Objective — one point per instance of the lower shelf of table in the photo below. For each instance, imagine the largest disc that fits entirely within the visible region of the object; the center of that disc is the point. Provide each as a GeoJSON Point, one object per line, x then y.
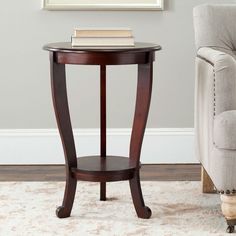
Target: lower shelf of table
{"type": "Point", "coordinates": [104, 169]}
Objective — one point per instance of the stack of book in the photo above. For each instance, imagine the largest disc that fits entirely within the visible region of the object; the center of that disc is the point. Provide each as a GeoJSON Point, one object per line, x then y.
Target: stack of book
{"type": "Point", "coordinates": [102, 37]}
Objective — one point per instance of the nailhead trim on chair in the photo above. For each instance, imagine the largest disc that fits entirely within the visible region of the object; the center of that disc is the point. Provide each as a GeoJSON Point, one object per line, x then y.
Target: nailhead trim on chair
{"type": "Point", "coordinates": [214, 91]}
{"type": "Point", "coordinates": [227, 192]}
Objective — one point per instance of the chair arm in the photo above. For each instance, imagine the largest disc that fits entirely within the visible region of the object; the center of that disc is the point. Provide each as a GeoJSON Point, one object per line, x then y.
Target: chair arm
{"type": "Point", "coordinates": [224, 70]}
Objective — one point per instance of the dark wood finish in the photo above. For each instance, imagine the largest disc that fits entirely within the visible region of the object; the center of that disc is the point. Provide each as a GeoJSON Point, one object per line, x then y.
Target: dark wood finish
{"type": "Point", "coordinates": [108, 58]}
{"type": "Point", "coordinates": [66, 47]}
{"type": "Point", "coordinates": [163, 172]}
{"type": "Point", "coordinates": [66, 54]}
{"type": "Point", "coordinates": [103, 123]}
{"type": "Point", "coordinates": [137, 196]}
{"type": "Point", "coordinates": [101, 168]}
{"type": "Point", "coordinates": [143, 100]}
{"type": "Point", "coordinates": [61, 107]}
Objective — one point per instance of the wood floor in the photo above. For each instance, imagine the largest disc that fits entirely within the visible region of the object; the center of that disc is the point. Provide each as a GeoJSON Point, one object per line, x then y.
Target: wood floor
{"type": "Point", "coordinates": [180, 172]}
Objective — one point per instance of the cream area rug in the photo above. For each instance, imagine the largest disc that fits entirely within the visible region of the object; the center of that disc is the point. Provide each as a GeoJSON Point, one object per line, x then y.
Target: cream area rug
{"type": "Point", "coordinates": [179, 208]}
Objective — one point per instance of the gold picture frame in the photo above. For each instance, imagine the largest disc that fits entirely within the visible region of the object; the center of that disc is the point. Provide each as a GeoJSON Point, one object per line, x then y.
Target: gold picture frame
{"type": "Point", "coordinates": [103, 4]}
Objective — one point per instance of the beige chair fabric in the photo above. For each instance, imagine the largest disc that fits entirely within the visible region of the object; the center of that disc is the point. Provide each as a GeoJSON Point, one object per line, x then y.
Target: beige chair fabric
{"type": "Point", "coordinates": [215, 27]}
{"type": "Point", "coordinates": [224, 132]}
{"type": "Point", "coordinates": [215, 101]}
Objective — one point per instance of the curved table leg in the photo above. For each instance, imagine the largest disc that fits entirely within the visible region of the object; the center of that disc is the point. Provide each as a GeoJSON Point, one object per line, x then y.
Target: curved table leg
{"type": "Point", "coordinates": [60, 102]}
{"type": "Point", "coordinates": [136, 191]}
{"type": "Point", "coordinates": [143, 99]}
{"type": "Point", "coordinates": [69, 195]}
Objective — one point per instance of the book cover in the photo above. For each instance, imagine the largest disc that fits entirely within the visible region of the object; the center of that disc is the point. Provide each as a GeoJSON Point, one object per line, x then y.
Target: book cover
{"type": "Point", "coordinates": [103, 32]}
{"type": "Point", "coordinates": [97, 41]}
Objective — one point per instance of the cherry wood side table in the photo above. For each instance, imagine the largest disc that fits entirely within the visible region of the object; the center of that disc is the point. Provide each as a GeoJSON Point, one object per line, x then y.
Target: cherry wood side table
{"type": "Point", "coordinates": [102, 168]}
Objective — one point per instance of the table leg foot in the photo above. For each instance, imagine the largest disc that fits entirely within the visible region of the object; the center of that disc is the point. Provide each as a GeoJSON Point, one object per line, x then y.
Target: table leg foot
{"type": "Point", "coordinates": [60, 212]}
{"type": "Point", "coordinates": [64, 211]}
{"type": "Point", "coordinates": [142, 211]}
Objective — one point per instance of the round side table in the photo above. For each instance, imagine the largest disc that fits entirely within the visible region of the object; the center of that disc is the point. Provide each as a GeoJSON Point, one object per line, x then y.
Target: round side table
{"type": "Point", "coordinates": [102, 168]}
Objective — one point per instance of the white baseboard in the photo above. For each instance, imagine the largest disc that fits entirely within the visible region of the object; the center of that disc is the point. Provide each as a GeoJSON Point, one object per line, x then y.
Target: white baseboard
{"type": "Point", "coordinates": [43, 146]}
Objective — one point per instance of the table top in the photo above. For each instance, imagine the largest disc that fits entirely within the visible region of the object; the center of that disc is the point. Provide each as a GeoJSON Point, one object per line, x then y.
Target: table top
{"type": "Point", "coordinates": [67, 47]}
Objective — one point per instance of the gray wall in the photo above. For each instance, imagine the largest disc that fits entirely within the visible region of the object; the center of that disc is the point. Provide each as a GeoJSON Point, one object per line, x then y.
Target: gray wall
{"type": "Point", "coordinates": [25, 100]}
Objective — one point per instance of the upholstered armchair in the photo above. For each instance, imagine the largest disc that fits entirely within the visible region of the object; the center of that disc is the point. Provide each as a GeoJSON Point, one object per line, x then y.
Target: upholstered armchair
{"type": "Point", "coordinates": [215, 102]}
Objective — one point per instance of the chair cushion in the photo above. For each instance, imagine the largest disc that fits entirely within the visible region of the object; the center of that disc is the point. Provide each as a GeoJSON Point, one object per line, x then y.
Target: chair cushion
{"type": "Point", "coordinates": [225, 130]}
